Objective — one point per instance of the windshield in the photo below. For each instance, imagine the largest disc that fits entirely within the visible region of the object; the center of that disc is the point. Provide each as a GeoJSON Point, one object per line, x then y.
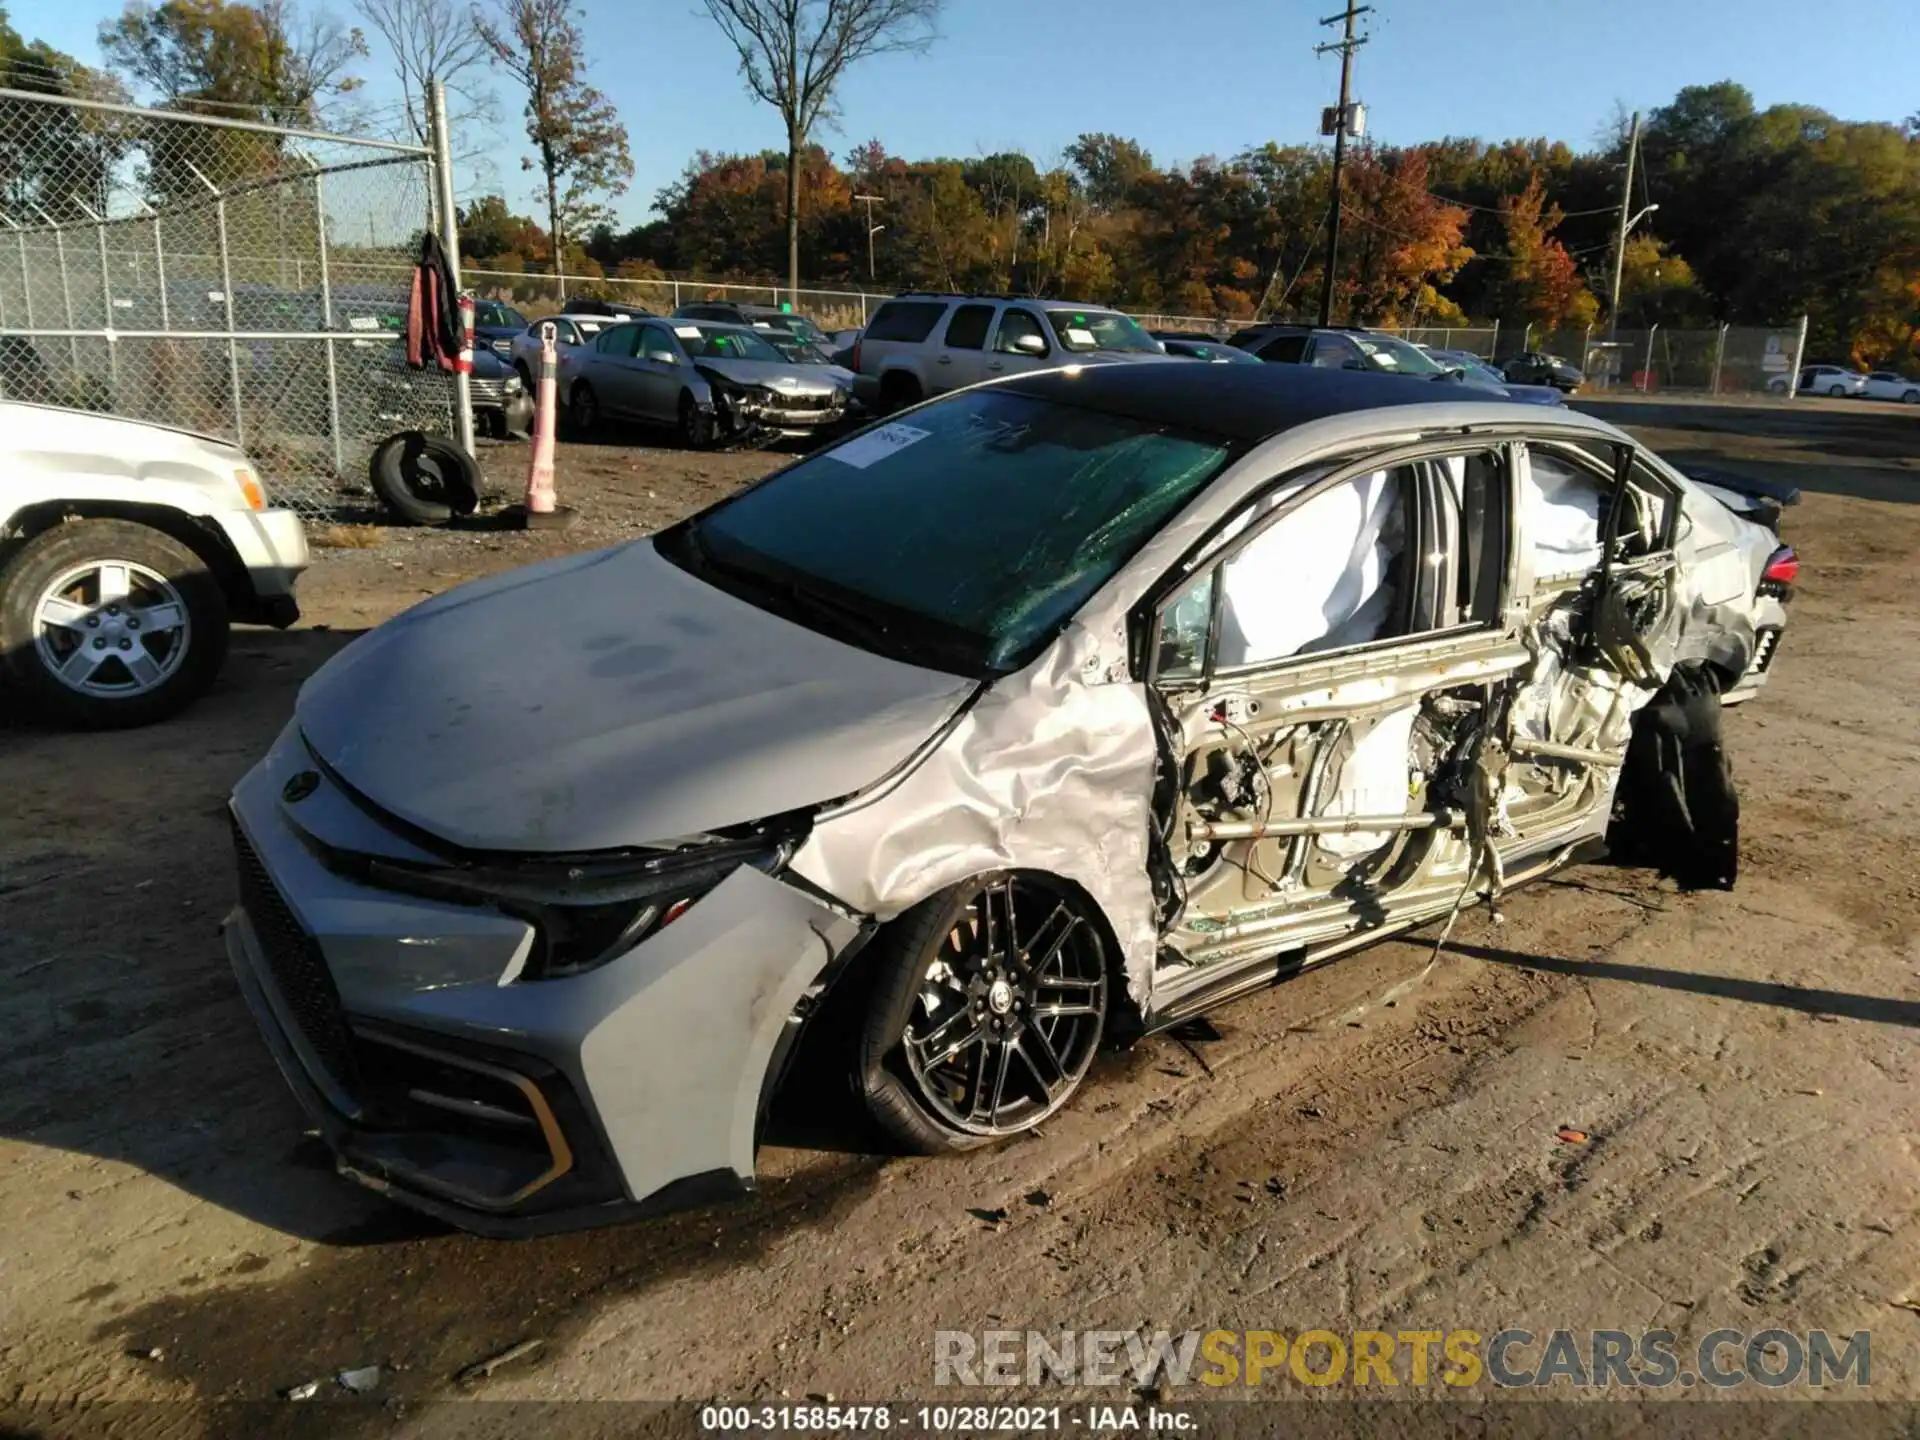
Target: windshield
{"type": "Point", "coordinates": [805, 329]}
{"type": "Point", "coordinates": [492, 312]}
{"type": "Point", "coordinates": [1085, 330]}
{"type": "Point", "coordinates": [961, 538]}
{"type": "Point", "coordinates": [714, 342]}
{"type": "Point", "coordinates": [796, 349]}
{"type": "Point", "coordinates": [1397, 357]}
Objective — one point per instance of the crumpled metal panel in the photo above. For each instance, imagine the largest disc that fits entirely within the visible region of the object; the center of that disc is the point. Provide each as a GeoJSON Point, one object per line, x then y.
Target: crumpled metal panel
{"type": "Point", "coordinates": [1051, 769]}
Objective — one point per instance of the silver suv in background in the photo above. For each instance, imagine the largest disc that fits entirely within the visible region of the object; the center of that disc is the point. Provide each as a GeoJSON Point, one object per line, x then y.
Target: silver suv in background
{"type": "Point", "coordinates": [920, 344]}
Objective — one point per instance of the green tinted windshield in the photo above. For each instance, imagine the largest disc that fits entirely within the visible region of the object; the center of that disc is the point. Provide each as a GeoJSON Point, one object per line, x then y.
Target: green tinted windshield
{"type": "Point", "coordinates": [1086, 330]}
{"type": "Point", "coordinates": [708, 342]}
{"type": "Point", "coordinates": [968, 532]}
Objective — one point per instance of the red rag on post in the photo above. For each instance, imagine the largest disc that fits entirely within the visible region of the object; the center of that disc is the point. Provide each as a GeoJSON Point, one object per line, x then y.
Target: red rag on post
{"type": "Point", "coordinates": [433, 312]}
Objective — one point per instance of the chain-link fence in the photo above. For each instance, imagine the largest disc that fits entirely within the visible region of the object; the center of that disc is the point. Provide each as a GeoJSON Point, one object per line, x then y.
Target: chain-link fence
{"type": "Point", "coordinates": [1727, 360]}
{"type": "Point", "coordinates": [226, 277]}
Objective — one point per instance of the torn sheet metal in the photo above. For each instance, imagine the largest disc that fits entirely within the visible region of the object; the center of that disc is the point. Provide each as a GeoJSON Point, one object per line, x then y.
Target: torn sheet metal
{"type": "Point", "coordinates": [1051, 769]}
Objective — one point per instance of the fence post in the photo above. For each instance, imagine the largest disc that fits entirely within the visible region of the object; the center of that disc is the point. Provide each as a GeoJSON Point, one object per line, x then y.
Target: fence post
{"type": "Point", "coordinates": [450, 242]}
{"type": "Point", "coordinates": [1719, 355]}
{"type": "Point", "coordinates": [106, 299]}
{"type": "Point", "coordinates": [676, 294]}
{"type": "Point", "coordinates": [1799, 354]}
{"type": "Point", "coordinates": [863, 309]}
{"type": "Point", "coordinates": [226, 296]}
{"type": "Point", "coordinates": [1646, 367]}
{"type": "Point", "coordinates": [66, 289]}
{"type": "Point", "coordinates": [326, 320]}
{"type": "Point", "coordinates": [160, 274]}
{"type": "Point", "coordinates": [26, 280]}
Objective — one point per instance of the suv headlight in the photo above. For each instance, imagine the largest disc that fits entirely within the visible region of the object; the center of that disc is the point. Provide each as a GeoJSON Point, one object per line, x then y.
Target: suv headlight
{"type": "Point", "coordinates": [511, 385]}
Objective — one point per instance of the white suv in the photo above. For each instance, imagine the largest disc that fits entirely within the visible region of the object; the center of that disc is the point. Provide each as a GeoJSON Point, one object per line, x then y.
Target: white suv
{"type": "Point", "coordinates": [125, 548]}
{"type": "Point", "coordinates": [920, 344]}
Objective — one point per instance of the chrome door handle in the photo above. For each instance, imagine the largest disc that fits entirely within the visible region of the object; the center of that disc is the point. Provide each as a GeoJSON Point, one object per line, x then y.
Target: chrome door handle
{"type": "Point", "coordinates": [945, 360]}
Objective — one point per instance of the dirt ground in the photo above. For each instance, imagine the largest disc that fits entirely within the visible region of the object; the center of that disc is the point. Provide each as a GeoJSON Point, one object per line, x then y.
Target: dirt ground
{"type": "Point", "coordinates": [1371, 1146]}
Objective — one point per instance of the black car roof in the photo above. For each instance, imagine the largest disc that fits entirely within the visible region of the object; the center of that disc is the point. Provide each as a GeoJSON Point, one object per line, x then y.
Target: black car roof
{"type": "Point", "coordinates": [1237, 402]}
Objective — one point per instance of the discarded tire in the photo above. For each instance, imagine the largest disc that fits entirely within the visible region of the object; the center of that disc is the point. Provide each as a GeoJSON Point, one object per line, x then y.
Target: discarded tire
{"type": "Point", "coordinates": [424, 479]}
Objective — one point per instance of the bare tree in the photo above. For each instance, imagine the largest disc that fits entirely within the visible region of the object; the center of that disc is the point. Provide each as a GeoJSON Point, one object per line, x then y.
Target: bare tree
{"type": "Point", "coordinates": [433, 40]}
{"type": "Point", "coordinates": [579, 141]}
{"type": "Point", "coordinates": [793, 53]}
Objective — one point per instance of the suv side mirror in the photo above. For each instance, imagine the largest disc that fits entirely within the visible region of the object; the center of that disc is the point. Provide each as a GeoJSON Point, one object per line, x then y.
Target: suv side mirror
{"type": "Point", "coordinates": [1030, 344]}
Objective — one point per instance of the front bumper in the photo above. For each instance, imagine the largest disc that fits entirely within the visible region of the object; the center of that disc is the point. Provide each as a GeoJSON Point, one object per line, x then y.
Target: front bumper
{"type": "Point", "coordinates": [272, 547]}
{"type": "Point", "coordinates": [502, 1105]}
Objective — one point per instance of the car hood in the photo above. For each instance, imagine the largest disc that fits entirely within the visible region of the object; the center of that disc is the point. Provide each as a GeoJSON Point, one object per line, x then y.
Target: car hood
{"type": "Point", "coordinates": [609, 700]}
{"type": "Point", "coordinates": [1535, 394]}
{"type": "Point", "coordinates": [799, 376]}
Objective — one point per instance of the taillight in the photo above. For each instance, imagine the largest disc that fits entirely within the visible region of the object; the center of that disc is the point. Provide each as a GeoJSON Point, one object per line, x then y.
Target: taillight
{"type": "Point", "coordinates": [855, 367]}
{"type": "Point", "coordinates": [1783, 567]}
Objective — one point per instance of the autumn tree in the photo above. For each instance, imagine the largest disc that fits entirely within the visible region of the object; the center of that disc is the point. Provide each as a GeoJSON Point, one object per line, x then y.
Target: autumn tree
{"type": "Point", "coordinates": [431, 41]}
{"type": "Point", "coordinates": [1540, 284]}
{"type": "Point", "coordinates": [1407, 243]}
{"type": "Point", "coordinates": [579, 144]}
{"type": "Point", "coordinates": [793, 54]}
{"type": "Point", "coordinates": [54, 158]}
{"type": "Point", "coordinates": [1658, 287]}
{"type": "Point", "coordinates": [269, 60]}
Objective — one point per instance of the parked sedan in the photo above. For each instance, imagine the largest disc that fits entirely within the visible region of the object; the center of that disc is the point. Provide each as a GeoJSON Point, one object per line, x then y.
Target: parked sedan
{"type": "Point", "coordinates": [1057, 708]}
{"type": "Point", "coordinates": [1891, 385]}
{"type": "Point", "coordinates": [1202, 347]}
{"type": "Point", "coordinates": [494, 326]}
{"type": "Point", "coordinates": [1835, 381]}
{"type": "Point", "coordinates": [1537, 368]}
{"type": "Point", "coordinates": [711, 382]}
{"type": "Point", "coordinates": [570, 331]}
{"type": "Point", "coordinates": [1473, 368]}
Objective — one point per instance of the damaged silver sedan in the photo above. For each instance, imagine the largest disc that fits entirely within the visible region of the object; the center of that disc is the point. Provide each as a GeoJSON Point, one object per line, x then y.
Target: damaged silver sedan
{"type": "Point", "coordinates": [1048, 712]}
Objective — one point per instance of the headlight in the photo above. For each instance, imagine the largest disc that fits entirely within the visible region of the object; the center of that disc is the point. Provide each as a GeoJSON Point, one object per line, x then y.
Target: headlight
{"type": "Point", "coordinates": [585, 911]}
{"type": "Point", "coordinates": [511, 385]}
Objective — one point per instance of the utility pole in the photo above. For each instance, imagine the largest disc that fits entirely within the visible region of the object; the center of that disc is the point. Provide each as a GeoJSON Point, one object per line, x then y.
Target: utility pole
{"type": "Point", "coordinates": [872, 229]}
{"type": "Point", "coordinates": [1626, 218]}
{"type": "Point", "coordinates": [1342, 123]}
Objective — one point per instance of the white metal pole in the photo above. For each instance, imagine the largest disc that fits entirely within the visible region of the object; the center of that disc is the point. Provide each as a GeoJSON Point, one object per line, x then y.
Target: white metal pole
{"type": "Point", "coordinates": [1799, 354]}
{"type": "Point", "coordinates": [326, 319]}
{"type": "Point", "coordinates": [1719, 355]}
{"type": "Point", "coordinates": [450, 242]}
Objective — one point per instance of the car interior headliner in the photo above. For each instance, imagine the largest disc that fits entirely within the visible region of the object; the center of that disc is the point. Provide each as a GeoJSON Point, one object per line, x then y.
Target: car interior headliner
{"type": "Point", "coordinates": [1235, 402]}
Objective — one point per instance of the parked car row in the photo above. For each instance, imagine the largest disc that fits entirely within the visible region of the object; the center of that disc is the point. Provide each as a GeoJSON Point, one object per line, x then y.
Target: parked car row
{"type": "Point", "coordinates": [1839, 382]}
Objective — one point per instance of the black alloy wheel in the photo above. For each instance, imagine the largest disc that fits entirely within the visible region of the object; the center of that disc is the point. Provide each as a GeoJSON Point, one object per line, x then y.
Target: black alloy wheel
{"type": "Point", "coordinates": [989, 1014]}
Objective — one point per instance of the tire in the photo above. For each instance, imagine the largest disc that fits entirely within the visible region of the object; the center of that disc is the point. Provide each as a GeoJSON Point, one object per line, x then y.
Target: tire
{"type": "Point", "coordinates": [1836, 391]}
{"type": "Point", "coordinates": [1910, 397]}
{"type": "Point", "coordinates": [898, 391]}
{"type": "Point", "coordinates": [583, 409]}
{"type": "Point", "coordinates": [526, 375]}
{"type": "Point", "coordinates": [169, 608]}
{"type": "Point", "coordinates": [424, 479]}
{"type": "Point", "coordinates": [944, 972]}
{"type": "Point", "coordinates": [696, 426]}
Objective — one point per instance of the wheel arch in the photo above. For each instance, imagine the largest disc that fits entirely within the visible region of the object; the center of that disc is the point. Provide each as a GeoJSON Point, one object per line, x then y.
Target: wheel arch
{"type": "Point", "coordinates": [200, 535]}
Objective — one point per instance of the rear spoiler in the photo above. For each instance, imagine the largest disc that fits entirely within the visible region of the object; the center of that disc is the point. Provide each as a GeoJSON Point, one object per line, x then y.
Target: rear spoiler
{"type": "Point", "coordinates": [1743, 484]}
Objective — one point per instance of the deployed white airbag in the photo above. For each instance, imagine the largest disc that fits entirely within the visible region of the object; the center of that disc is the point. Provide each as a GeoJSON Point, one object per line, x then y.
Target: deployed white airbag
{"type": "Point", "coordinates": [1317, 579]}
{"type": "Point", "coordinates": [1560, 515]}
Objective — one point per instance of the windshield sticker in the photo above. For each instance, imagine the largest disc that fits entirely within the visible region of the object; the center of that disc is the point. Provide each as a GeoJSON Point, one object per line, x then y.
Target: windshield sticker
{"type": "Point", "coordinates": [687, 332]}
{"type": "Point", "coordinates": [877, 445]}
{"type": "Point", "coordinates": [1077, 336]}
{"type": "Point", "coordinates": [363, 322]}
{"type": "Point", "coordinates": [762, 325]}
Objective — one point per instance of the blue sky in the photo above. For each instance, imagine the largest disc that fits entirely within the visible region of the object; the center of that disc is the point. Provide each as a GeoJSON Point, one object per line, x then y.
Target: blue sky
{"type": "Point", "coordinates": [1205, 77]}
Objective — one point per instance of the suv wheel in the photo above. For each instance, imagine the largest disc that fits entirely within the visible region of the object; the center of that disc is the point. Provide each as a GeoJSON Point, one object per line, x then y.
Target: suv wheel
{"type": "Point", "coordinates": [899, 390]}
{"type": "Point", "coordinates": [107, 623]}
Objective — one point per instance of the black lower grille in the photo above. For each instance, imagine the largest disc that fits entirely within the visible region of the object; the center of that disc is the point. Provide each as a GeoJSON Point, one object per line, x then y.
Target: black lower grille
{"type": "Point", "coordinates": [299, 971]}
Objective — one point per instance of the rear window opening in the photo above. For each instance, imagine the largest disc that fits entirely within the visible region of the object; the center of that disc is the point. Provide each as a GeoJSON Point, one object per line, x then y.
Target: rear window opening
{"type": "Point", "coordinates": [908, 320]}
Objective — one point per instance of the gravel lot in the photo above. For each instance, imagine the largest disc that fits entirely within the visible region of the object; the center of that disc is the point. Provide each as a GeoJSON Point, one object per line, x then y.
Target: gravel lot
{"type": "Point", "coordinates": [1372, 1146]}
